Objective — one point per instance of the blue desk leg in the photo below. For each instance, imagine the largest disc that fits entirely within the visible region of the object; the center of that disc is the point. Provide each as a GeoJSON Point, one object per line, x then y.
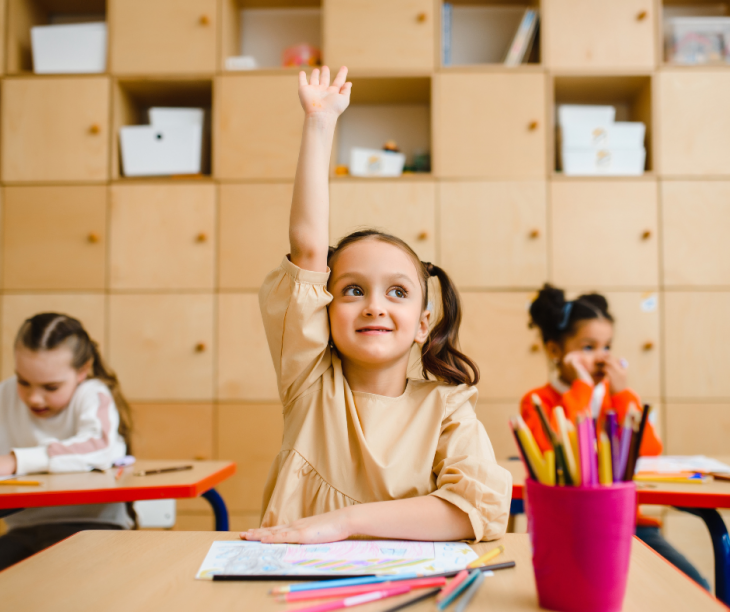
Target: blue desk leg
{"type": "Point", "coordinates": [517, 506]}
{"type": "Point", "coordinates": [721, 548]}
{"type": "Point", "coordinates": [219, 509]}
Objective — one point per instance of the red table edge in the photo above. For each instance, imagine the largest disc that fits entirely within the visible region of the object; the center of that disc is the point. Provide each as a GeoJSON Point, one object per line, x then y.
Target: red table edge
{"type": "Point", "coordinates": [39, 499]}
{"type": "Point", "coordinates": [665, 498]}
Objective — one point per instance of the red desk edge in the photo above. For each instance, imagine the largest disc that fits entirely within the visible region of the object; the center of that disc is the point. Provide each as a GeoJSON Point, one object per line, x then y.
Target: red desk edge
{"type": "Point", "coordinates": [37, 499]}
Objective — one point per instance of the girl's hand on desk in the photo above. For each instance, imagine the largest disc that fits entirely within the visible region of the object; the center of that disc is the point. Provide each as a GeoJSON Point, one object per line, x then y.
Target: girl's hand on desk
{"type": "Point", "coordinates": [328, 527]}
{"type": "Point", "coordinates": [318, 97]}
{"type": "Point", "coordinates": [8, 464]}
{"type": "Point", "coordinates": [616, 374]}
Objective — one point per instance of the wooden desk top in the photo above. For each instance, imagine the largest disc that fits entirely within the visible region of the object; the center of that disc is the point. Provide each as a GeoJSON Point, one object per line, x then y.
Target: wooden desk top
{"type": "Point", "coordinates": [711, 494]}
{"type": "Point", "coordinates": [102, 488]}
{"type": "Point", "coordinates": [119, 571]}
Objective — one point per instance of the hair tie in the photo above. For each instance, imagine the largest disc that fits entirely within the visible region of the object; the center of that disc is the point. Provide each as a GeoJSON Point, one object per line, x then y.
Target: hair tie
{"type": "Point", "coordinates": [567, 309]}
{"type": "Point", "coordinates": [429, 268]}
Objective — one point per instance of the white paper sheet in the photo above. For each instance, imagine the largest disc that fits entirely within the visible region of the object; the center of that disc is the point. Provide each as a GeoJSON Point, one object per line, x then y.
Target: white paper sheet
{"type": "Point", "coordinates": [333, 559]}
{"type": "Point", "coordinates": [681, 463]}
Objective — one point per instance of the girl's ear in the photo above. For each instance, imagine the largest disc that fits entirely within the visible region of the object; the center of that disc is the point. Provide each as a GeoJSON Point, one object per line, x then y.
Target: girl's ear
{"type": "Point", "coordinates": [83, 372]}
{"type": "Point", "coordinates": [553, 350]}
{"type": "Point", "coordinates": [423, 330]}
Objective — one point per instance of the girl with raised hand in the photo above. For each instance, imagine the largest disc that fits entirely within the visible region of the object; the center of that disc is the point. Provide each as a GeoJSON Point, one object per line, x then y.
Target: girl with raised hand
{"type": "Point", "coordinates": [366, 450]}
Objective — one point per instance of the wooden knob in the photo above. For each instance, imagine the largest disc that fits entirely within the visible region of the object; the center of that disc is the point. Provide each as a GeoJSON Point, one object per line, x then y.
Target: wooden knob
{"type": "Point", "coordinates": [423, 235]}
{"type": "Point", "coordinates": [204, 20]}
{"type": "Point", "coordinates": [645, 235]}
{"type": "Point", "coordinates": [201, 237]}
{"type": "Point", "coordinates": [200, 347]}
{"type": "Point", "coordinates": [647, 346]}
{"type": "Point", "coordinates": [93, 237]}
{"type": "Point", "coordinates": [94, 128]}
{"type": "Point", "coordinates": [532, 126]}
{"type": "Point", "coordinates": [535, 347]}
{"type": "Point", "coordinates": [534, 234]}
{"type": "Point", "coordinates": [200, 457]}
{"type": "Point", "coordinates": [641, 15]}
{"type": "Point", "coordinates": [421, 17]}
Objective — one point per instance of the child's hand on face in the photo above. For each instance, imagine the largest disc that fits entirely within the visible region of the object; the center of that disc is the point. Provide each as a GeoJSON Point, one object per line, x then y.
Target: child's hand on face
{"type": "Point", "coordinates": [8, 464]}
{"type": "Point", "coordinates": [575, 369]}
{"type": "Point", "coordinates": [328, 527]}
{"type": "Point", "coordinates": [616, 374]}
{"type": "Point", "coordinates": [319, 97]}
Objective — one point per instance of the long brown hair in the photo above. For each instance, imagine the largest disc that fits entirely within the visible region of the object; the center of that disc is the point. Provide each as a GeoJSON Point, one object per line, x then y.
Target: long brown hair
{"type": "Point", "coordinates": [440, 354]}
{"type": "Point", "coordinates": [49, 330]}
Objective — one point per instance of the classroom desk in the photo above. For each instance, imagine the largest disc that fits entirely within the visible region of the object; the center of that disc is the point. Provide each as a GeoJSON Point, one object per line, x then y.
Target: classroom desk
{"type": "Point", "coordinates": [701, 500]}
{"type": "Point", "coordinates": [154, 571]}
{"type": "Point", "coordinates": [103, 488]}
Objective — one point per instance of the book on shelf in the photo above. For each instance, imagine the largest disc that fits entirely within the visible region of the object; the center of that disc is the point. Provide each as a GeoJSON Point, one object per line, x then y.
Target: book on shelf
{"type": "Point", "coordinates": [519, 50]}
{"type": "Point", "coordinates": [446, 15]}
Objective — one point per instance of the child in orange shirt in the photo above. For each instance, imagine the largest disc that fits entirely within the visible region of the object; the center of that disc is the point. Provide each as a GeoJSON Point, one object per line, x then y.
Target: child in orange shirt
{"type": "Point", "coordinates": [587, 378]}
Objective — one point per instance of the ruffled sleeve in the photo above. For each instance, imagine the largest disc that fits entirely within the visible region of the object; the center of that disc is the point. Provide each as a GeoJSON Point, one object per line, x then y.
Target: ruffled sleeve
{"type": "Point", "coordinates": [293, 305]}
{"type": "Point", "coordinates": [467, 473]}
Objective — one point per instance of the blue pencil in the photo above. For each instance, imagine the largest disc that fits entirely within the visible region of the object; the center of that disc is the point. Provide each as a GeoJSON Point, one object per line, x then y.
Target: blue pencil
{"type": "Point", "coordinates": [451, 597]}
{"type": "Point", "coordinates": [328, 584]}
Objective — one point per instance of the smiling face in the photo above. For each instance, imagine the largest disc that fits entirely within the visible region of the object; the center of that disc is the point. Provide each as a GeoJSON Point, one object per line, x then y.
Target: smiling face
{"type": "Point", "coordinates": [46, 379]}
{"type": "Point", "coordinates": [377, 309]}
{"type": "Point", "coordinates": [592, 339]}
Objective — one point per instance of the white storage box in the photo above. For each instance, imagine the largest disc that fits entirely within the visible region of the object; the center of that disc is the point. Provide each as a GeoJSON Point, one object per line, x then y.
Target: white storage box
{"type": "Point", "coordinates": [607, 161]}
{"type": "Point", "coordinates": [149, 150]}
{"type": "Point", "coordinates": [69, 48]}
{"type": "Point", "coordinates": [698, 40]}
{"type": "Point", "coordinates": [619, 135]}
{"type": "Point", "coordinates": [581, 113]}
{"type": "Point", "coordinates": [162, 116]}
{"type": "Point", "coordinates": [375, 162]}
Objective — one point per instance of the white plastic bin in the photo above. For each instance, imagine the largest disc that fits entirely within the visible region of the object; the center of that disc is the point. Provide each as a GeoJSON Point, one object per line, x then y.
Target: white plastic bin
{"type": "Point", "coordinates": [69, 48]}
{"type": "Point", "coordinates": [582, 113]}
{"type": "Point", "coordinates": [376, 162]}
{"type": "Point", "coordinates": [149, 150]}
{"type": "Point", "coordinates": [161, 116]}
{"type": "Point", "coordinates": [607, 161]}
{"type": "Point", "coordinates": [620, 135]}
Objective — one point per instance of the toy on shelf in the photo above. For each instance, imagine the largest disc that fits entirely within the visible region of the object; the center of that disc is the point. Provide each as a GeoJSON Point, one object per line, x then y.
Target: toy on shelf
{"type": "Point", "coordinates": [301, 55]}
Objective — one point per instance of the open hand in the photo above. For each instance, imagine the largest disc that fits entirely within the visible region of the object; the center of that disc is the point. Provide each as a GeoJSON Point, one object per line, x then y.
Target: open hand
{"type": "Point", "coordinates": [616, 374]}
{"type": "Point", "coordinates": [8, 464]}
{"type": "Point", "coordinates": [328, 527]}
{"type": "Point", "coordinates": [319, 97]}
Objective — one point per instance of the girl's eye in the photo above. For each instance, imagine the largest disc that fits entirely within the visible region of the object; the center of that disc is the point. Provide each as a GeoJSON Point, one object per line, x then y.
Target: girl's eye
{"type": "Point", "coordinates": [22, 383]}
{"type": "Point", "coordinates": [397, 292]}
{"type": "Point", "coordinates": [587, 348]}
{"type": "Point", "coordinates": [51, 387]}
{"type": "Point", "coordinates": [353, 292]}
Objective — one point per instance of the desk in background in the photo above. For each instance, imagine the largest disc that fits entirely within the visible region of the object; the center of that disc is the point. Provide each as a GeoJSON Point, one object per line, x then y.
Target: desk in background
{"type": "Point", "coordinates": [103, 488]}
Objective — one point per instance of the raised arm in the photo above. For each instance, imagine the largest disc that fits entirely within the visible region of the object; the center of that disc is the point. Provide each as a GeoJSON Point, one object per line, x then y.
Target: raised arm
{"type": "Point", "coordinates": [309, 220]}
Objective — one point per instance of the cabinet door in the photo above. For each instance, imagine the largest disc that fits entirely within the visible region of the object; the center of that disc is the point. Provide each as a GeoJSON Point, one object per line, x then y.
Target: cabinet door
{"type": "Point", "coordinates": [163, 36]}
{"type": "Point", "coordinates": [637, 338]}
{"type": "Point", "coordinates": [245, 369]}
{"type": "Point", "coordinates": [161, 346]}
{"type": "Point", "coordinates": [695, 218]}
{"type": "Point", "coordinates": [489, 125]}
{"type": "Point", "coordinates": [696, 329]}
{"type": "Point", "coordinates": [379, 34]}
{"type": "Point", "coordinates": [493, 233]}
{"type": "Point", "coordinates": [694, 125]}
{"type": "Point", "coordinates": [494, 333]}
{"type": "Point", "coordinates": [251, 436]}
{"type": "Point", "coordinates": [258, 126]}
{"type": "Point", "coordinates": [599, 34]}
{"type": "Point", "coordinates": [16, 308]}
{"type": "Point", "coordinates": [688, 432]}
{"type": "Point", "coordinates": [405, 209]}
{"type": "Point", "coordinates": [253, 234]}
{"type": "Point", "coordinates": [167, 431]}
{"type": "Point", "coordinates": [54, 237]}
{"type": "Point", "coordinates": [55, 129]}
{"type": "Point", "coordinates": [604, 233]}
{"type": "Point", "coordinates": [162, 236]}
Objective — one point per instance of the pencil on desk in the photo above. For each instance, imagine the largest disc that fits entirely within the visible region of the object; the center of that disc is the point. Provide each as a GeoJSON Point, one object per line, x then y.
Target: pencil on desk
{"type": "Point", "coordinates": [488, 556]}
{"type": "Point", "coordinates": [178, 468]}
{"type": "Point", "coordinates": [445, 602]}
{"type": "Point", "coordinates": [356, 600]}
{"type": "Point", "coordinates": [348, 591]}
{"type": "Point", "coordinates": [119, 473]}
{"type": "Point", "coordinates": [414, 601]}
{"type": "Point", "coordinates": [469, 593]}
{"type": "Point", "coordinates": [20, 483]}
{"type": "Point", "coordinates": [458, 579]}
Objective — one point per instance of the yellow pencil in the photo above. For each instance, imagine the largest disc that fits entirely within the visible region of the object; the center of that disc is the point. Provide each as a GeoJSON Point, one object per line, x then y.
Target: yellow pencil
{"type": "Point", "coordinates": [567, 445]}
{"type": "Point", "coordinates": [20, 483]}
{"type": "Point", "coordinates": [550, 467]}
{"type": "Point", "coordinates": [605, 472]}
{"type": "Point", "coordinates": [573, 435]}
{"type": "Point", "coordinates": [486, 557]}
{"type": "Point", "coordinates": [534, 456]}
{"type": "Point", "coordinates": [677, 479]}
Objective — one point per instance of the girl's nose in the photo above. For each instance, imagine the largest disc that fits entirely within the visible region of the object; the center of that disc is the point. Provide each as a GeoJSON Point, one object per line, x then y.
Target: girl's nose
{"type": "Point", "coordinates": [374, 309]}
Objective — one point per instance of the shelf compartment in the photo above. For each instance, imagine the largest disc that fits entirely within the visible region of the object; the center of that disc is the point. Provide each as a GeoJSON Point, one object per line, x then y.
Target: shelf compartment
{"type": "Point", "coordinates": [689, 8]}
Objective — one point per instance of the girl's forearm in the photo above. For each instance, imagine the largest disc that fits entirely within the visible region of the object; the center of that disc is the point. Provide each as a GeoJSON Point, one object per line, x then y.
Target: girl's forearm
{"type": "Point", "coordinates": [418, 518]}
{"type": "Point", "coordinates": [309, 220]}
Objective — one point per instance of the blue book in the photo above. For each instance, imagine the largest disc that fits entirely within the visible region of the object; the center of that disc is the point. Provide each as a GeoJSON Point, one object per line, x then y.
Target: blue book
{"type": "Point", "coordinates": [446, 11]}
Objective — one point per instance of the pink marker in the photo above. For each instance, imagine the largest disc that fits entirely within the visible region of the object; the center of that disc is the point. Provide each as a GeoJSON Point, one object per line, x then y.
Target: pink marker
{"type": "Point", "coordinates": [583, 450]}
{"type": "Point", "coordinates": [458, 579]}
{"type": "Point", "coordinates": [357, 600]}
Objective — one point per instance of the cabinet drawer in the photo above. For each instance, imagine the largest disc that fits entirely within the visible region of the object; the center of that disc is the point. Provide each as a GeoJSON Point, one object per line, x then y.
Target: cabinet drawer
{"type": "Point", "coordinates": [164, 36]}
{"type": "Point", "coordinates": [599, 34]}
{"type": "Point", "coordinates": [604, 234]}
{"type": "Point", "coordinates": [173, 431]}
{"type": "Point", "coordinates": [379, 34]}
{"type": "Point", "coordinates": [494, 333]}
{"type": "Point", "coordinates": [489, 125]}
{"type": "Point", "coordinates": [161, 346]}
{"type": "Point", "coordinates": [493, 233]}
{"type": "Point", "coordinates": [405, 209]}
{"type": "Point", "coordinates": [162, 236]}
{"type": "Point", "coordinates": [55, 129]}
{"type": "Point", "coordinates": [54, 237]}
{"type": "Point", "coordinates": [253, 233]}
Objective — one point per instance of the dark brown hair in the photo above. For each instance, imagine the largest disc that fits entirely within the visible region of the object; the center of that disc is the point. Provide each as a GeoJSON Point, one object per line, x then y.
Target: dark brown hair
{"type": "Point", "coordinates": [440, 354]}
{"type": "Point", "coordinates": [49, 330]}
{"type": "Point", "coordinates": [558, 318]}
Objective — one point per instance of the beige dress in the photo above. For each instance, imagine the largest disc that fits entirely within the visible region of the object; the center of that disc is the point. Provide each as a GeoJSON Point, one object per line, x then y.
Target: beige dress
{"type": "Point", "coordinates": [344, 447]}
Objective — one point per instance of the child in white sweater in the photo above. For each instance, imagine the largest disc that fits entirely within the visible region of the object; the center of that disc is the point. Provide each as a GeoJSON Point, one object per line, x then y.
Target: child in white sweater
{"type": "Point", "coordinates": [63, 411]}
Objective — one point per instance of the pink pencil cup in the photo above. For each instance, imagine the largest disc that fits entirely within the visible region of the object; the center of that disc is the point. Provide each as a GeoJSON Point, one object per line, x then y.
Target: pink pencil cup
{"type": "Point", "coordinates": [581, 544]}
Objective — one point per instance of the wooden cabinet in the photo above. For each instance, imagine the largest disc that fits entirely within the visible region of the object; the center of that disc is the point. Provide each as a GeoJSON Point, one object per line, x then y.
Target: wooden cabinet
{"type": "Point", "coordinates": [493, 234]}
{"type": "Point", "coordinates": [55, 129]}
{"type": "Point", "coordinates": [379, 34]}
{"type": "Point", "coordinates": [162, 236]}
{"type": "Point", "coordinates": [54, 237]}
{"type": "Point", "coordinates": [163, 36]}
{"type": "Point", "coordinates": [253, 233]}
{"type": "Point", "coordinates": [251, 436]}
{"type": "Point", "coordinates": [494, 333]}
{"type": "Point", "coordinates": [694, 125]}
{"type": "Point", "coordinates": [257, 127]}
{"type": "Point", "coordinates": [637, 338]}
{"type": "Point", "coordinates": [598, 34]}
{"type": "Point", "coordinates": [696, 329]}
{"type": "Point", "coordinates": [403, 208]}
{"type": "Point", "coordinates": [697, 428]}
{"type": "Point", "coordinates": [695, 219]}
{"type": "Point", "coordinates": [604, 233]}
{"type": "Point", "coordinates": [88, 308]}
{"type": "Point", "coordinates": [161, 345]}
{"type": "Point", "coordinates": [495, 418]}
{"type": "Point", "coordinates": [173, 431]}
{"type": "Point", "coordinates": [490, 125]}
{"type": "Point", "coordinates": [245, 369]}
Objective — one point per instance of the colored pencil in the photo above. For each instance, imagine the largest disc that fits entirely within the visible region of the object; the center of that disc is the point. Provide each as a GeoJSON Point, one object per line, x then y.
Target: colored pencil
{"type": "Point", "coordinates": [528, 465]}
{"type": "Point", "coordinates": [532, 450]}
{"type": "Point", "coordinates": [179, 468]}
{"type": "Point", "coordinates": [605, 471]}
{"type": "Point", "coordinates": [550, 467]}
{"type": "Point", "coordinates": [454, 595]}
{"type": "Point", "coordinates": [592, 450]}
{"type": "Point", "coordinates": [356, 600]}
{"type": "Point", "coordinates": [613, 439]}
{"type": "Point", "coordinates": [631, 461]}
{"type": "Point", "coordinates": [626, 433]}
{"type": "Point", "coordinates": [565, 441]}
{"type": "Point", "coordinates": [458, 579]}
{"type": "Point", "coordinates": [329, 584]}
{"type": "Point", "coordinates": [469, 594]}
{"type": "Point", "coordinates": [486, 557]}
{"type": "Point", "coordinates": [562, 474]}
{"type": "Point", "coordinates": [585, 458]}
{"type": "Point", "coordinates": [415, 600]}
{"type": "Point", "coordinates": [119, 473]}
{"type": "Point", "coordinates": [20, 483]}
{"type": "Point", "coordinates": [347, 591]}
{"type": "Point", "coordinates": [639, 438]}
{"type": "Point", "coordinates": [573, 435]}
